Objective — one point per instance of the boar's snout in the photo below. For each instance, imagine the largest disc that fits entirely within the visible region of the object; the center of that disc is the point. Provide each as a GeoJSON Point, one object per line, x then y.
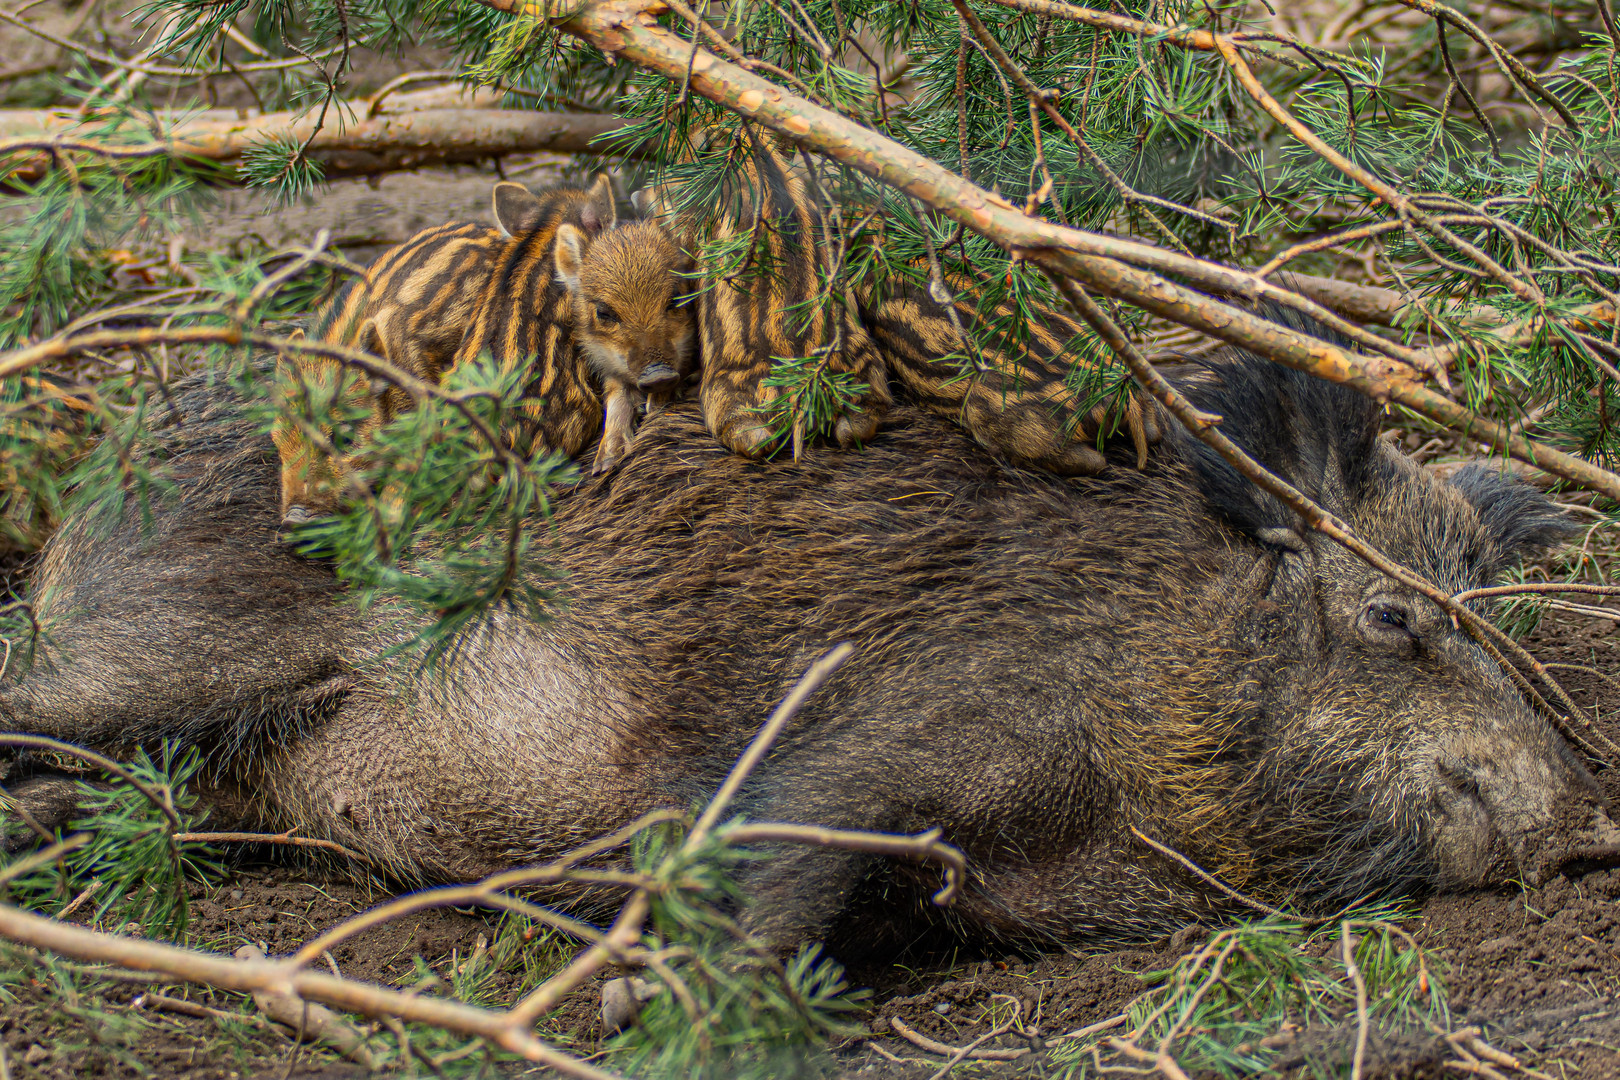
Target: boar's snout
{"type": "Point", "coordinates": [1511, 805]}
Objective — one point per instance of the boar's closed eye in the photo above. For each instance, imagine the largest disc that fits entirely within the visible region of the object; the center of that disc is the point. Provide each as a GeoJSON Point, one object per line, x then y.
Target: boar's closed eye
{"type": "Point", "coordinates": [1387, 625]}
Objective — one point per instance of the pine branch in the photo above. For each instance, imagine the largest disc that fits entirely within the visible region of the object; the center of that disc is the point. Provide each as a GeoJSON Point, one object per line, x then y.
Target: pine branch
{"type": "Point", "coordinates": [377, 144]}
{"type": "Point", "coordinates": [627, 29]}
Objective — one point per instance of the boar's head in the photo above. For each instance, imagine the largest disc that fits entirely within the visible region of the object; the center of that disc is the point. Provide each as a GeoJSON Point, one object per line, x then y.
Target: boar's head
{"type": "Point", "coordinates": [1394, 750]}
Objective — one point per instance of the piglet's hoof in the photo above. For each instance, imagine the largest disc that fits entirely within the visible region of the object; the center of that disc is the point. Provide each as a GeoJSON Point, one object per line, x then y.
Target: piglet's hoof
{"type": "Point", "coordinates": [622, 1000]}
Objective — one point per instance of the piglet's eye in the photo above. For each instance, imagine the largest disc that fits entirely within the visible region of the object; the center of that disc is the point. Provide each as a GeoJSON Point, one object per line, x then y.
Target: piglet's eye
{"type": "Point", "coordinates": [604, 314]}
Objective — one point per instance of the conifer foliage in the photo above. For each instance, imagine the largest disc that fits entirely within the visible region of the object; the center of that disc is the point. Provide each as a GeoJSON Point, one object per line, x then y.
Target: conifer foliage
{"type": "Point", "coordinates": [1174, 160]}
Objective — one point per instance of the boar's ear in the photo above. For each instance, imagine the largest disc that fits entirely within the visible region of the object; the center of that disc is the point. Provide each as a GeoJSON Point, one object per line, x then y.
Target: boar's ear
{"type": "Point", "coordinates": [1520, 520]}
{"type": "Point", "coordinates": [600, 212]}
{"type": "Point", "coordinates": [570, 256]}
{"type": "Point", "coordinates": [517, 209]}
{"type": "Point", "coordinates": [1317, 435]}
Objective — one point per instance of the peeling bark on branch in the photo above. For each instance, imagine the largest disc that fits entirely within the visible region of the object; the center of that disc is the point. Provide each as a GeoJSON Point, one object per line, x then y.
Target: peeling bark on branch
{"type": "Point", "coordinates": [395, 140]}
{"type": "Point", "coordinates": [1116, 268]}
{"type": "Point", "coordinates": [280, 977]}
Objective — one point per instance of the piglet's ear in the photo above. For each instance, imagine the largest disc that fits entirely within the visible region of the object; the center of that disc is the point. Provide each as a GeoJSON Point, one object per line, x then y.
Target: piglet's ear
{"type": "Point", "coordinates": [1521, 520]}
{"type": "Point", "coordinates": [287, 371]}
{"type": "Point", "coordinates": [517, 209]}
{"type": "Point", "coordinates": [569, 255]}
{"type": "Point", "coordinates": [599, 212]}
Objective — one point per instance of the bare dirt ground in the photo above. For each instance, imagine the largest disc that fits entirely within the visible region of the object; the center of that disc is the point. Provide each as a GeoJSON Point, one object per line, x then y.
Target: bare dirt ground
{"type": "Point", "coordinates": [367, 216]}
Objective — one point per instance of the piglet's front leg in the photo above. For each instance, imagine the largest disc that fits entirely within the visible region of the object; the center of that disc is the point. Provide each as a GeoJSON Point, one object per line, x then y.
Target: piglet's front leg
{"type": "Point", "coordinates": [617, 428]}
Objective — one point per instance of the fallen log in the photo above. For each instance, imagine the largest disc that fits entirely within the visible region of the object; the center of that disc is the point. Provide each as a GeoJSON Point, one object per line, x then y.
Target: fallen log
{"type": "Point", "coordinates": [351, 143]}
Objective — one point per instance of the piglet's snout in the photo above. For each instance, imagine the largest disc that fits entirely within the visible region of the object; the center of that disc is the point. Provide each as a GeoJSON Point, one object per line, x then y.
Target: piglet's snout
{"type": "Point", "coordinates": [658, 377]}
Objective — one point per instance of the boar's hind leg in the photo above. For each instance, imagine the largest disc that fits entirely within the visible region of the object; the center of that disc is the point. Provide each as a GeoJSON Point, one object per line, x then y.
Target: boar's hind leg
{"type": "Point", "coordinates": [798, 893]}
{"type": "Point", "coordinates": [801, 893]}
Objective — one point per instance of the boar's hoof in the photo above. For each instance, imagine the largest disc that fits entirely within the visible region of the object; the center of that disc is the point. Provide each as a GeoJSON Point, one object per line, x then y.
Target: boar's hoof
{"type": "Point", "coordinates": [622, 1000]}
{"type": "Point", "coordinates": [49, 802]}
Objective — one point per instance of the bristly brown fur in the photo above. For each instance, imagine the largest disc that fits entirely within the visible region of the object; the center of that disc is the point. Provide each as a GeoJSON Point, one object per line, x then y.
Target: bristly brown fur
{"type": "Point", "coordinates": [1042, 664]}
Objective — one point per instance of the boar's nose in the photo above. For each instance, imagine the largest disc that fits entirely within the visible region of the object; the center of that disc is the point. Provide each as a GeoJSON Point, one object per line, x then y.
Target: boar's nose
{"type": "Point", "coordinates": [1512, 808]}
{"type": "Point", "coordinates": [1595, 847]}
{"type": "Point", "coordinates": [657, 378]}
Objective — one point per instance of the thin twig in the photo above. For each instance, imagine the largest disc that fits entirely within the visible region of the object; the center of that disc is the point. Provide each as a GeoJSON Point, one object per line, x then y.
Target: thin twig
{"type": "Point", "coordinates": [164, 1003]}
{"type": "Point", "coordinates": [286, 839]}
{"type": "Point", "coordinates": [1347, 948]}
{"type": "Point", "coordinates": [1536, 587]}
{"type": "Point", "coordinates": [84, 896]}
{"type": "Point", "coordinates": [1211, 880]}
{"type": "Point", "coordinates": [916, 1038]}
{"type": "Point", "coordinates": [967, 1050]}
{"type": "Point", "coordinates": [1467, 96]}
{"type": "Point", "coordinates": [925, 845]}
{"type": "Point", "coordinates": [761, 745]}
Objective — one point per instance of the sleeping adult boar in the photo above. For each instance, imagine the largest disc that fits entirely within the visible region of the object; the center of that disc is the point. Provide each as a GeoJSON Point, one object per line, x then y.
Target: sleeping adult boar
{"type": "Point", "coordinates": [1043, 663]}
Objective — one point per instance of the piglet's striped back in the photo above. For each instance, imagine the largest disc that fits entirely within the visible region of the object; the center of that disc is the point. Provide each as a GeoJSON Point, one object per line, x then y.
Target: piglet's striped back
{"type": "Point", "coordinates": [444, 297]}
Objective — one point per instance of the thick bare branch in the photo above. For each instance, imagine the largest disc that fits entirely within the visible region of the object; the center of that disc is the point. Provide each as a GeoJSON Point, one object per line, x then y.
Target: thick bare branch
{"type": "Point", "coordinates": [389, 141]}
{"type": "Point", "coordinates": [282, 977]}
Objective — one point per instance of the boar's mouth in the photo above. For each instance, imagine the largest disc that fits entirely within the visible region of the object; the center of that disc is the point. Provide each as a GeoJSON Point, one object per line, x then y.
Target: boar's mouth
{"type": "Point", "coordinates": [1520, 812]}
{"type": "Point", "coordinates": [1486, 804]}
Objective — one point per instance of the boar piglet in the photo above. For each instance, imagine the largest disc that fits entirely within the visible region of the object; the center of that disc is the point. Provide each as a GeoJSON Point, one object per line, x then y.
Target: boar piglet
{"type": "Point", "coordinates": [633, 320]}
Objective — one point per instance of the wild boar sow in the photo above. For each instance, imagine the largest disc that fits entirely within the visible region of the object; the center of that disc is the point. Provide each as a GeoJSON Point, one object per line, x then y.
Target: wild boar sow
{"type": "Point", "coordinates": [1044, 662]}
